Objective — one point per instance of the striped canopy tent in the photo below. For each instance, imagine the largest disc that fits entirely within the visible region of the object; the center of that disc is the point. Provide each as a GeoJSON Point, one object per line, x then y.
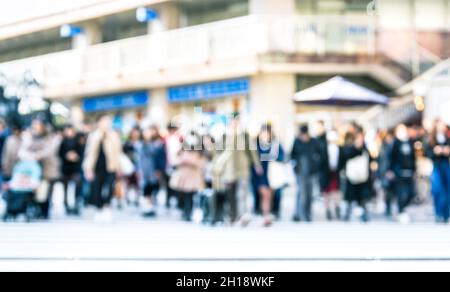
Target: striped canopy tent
{"type": "Point", "coordinates": [339, 92]}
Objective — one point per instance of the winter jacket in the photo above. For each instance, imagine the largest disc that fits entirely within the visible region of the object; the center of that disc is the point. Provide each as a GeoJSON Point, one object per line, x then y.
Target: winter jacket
{"type": "Point", "coordinates": [306, 157]}
{"type": "Point", "coordinates": [43, 149]}
{"type": "Point", "coordinates": [112, 147]}
{"type": "Point", "coordinates": [189, 175]}
{"type": "Point", "coordinates": [10, 155]}
{"type": "Point", "coordinates": [69, 168]}
{"type": "Point", "coordinates": [403, 159]}
{"type": "Point", "coordinates": [152, 159]}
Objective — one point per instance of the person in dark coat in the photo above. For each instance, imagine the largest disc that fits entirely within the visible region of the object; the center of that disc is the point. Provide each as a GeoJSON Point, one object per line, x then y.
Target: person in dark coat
{"type": "Point", "coordinates": [324, 163]}
{"type": "Point", "coordinates": [384, 161]}
{"type": "Point", "coordinates": [360, 190]}
{"type": "Point", "coordinates": [402, 170]}
{"type": "Point", "coordinates": [71, 155]}
{"type": "Point", "coordinates": [151, 166]}
{"type": "Point", "coordinates": [306, 157]}
{"type": "Point", "coordinates": [131, 149]}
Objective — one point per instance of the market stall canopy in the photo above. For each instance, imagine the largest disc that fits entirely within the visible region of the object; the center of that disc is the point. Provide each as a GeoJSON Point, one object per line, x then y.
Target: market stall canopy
{"type": "Point", "coordinates": [340, 92]}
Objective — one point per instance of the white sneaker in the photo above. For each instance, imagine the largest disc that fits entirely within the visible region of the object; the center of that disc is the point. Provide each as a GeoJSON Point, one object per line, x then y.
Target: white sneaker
{"type": "Point", "coordinates": [107, 216]}
{"type": "Point", "coordinates": [404, 219]}
{"type": "Point", "coordinates": [98, 217]}
{"type": "Point", "coordinates": [104, 216]}
{"type": "Point", "coordinates": [245, 220]}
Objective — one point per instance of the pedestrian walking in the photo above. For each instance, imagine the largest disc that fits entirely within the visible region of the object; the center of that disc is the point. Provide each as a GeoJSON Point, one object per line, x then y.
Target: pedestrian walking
{"type": "Point", "coordinates": [10, 154]}
{"type": "Point", "coordinates": [355, 162]}
{"type": "Point", "coordinates": [101, 165]}
{"type": "Point", "coordinates": [438, 149]}
{"type": "Point", "coordinates": [71, 154]}
{"type": "Point", "coordinates": [384, 161]}
{"type": "Point", "coordinates": [306, 157]}
{"type": "Point", "coordinates": [402, 171]}
{"type": "Point", "coordinates": [151, 166]}
{"type": "Point", "coordinates": [242, 157]}
{"type": "Point", "coordinates": [4, 133]}
{"type": "Point", "coordinates": [269, 150]}
{"type": "Point", "coordinates": [41, 145]}
{"type": "Point", "coordinates": [130, 183]}
{"type": "Point", "coordinates": [331, 180]}
{"type": "Point", "coordinates": [173, 143]}
{"type": "Point", "coordinates": [188, 179]}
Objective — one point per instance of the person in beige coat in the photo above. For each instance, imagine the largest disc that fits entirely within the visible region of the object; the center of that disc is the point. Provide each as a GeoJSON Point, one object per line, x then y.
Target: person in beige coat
{"type": "Point", "coordinates": [188, 179]}
{"type": "Point", "coordinates": [241, 155]}
{"type": "Point", "coordinates": [40, 145]}
{"type": "Point", "coordinates": [10, 155]}
{"type": "Point", "coordinates": [101, 165]}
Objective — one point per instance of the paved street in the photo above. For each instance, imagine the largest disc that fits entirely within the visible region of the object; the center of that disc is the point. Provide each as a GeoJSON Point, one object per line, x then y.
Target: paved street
{"type": "Point", "coordinates": [171, 246]}
{"type": "Point", "coordinates": [165, 244]}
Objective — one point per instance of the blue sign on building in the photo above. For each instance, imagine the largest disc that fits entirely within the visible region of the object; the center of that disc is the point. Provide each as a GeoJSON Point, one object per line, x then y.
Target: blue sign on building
{"type": "Point", "coordinates": [211, 90]}
{"type": "Point", "coordinates": [67, 31]}
{"type": "Point", "coordinates": [144, 14]}
{"type": "Point", "coordinates": [116, 101]}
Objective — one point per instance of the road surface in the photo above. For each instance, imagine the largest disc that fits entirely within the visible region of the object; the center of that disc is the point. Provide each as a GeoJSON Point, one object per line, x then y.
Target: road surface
{"type": "Point", "coordinates": [136, 245]}
{"type": "Point", "coordinates": [166, 244]}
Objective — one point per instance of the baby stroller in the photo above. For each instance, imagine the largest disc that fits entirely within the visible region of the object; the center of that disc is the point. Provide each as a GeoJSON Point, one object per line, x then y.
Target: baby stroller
{"type": "Point", "coordinates": [20, 190]}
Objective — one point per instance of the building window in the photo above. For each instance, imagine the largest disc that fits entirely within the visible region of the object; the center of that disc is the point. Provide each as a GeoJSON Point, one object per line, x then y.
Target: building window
{"type": "Point", "coordinates": [205, 11]}
{"type": "Point", "coordinates": [36, 44]}
{"type": "Point", "coordinates": [332, 7]}
{"type": "Point", "coordinates": [122, 26]}
{"type": "Point", "coordinates": [357, 5]}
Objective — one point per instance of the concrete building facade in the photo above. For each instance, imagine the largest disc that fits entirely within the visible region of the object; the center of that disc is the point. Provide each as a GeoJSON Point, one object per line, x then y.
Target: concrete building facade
{"type": "Point", "coordinates": [213, 57]}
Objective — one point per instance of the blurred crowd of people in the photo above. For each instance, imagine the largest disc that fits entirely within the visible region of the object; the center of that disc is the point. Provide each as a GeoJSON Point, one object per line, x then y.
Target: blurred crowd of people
{"type": "Point", "coordinates": [226, 179]}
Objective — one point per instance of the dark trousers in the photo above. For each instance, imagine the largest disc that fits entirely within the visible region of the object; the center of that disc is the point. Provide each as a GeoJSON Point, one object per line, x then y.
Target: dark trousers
{"type": "Point", "coordinates": [219, 201]}
{"type": "Point", "coordinates": [405, 191]}
{"type": "Point", "coordinates": [171, 193]}
{"type": "Point", "coordinates": [151, 190]}
{"type": "Point", "coordinates": [257, 199]}
{"type": "Point", "coordinates": [232, 198]}
{"type": "Point", "coordinates": [276, 206]}
{"type": "Point", "coordinates": [389, 197]}
{"type": "Point", "coordinates": [76, 180]}
{"type": "Point", "coordinates": [188, 204]}
{"type": "Point", "coordinates": [303, 210]}
{"type": "Point", "coordinates": [102, 189]}
{"type": "Point", "coordinates": [359, 194]}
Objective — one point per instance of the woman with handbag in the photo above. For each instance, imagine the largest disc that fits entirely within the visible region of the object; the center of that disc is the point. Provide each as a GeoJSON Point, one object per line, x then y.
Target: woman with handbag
{"type": "Point", "coordinates": [268, 196]}
{"type": "Point", "coordinates": [355, 162]}
{"type": "Point", "coordinates": [188, 178]}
